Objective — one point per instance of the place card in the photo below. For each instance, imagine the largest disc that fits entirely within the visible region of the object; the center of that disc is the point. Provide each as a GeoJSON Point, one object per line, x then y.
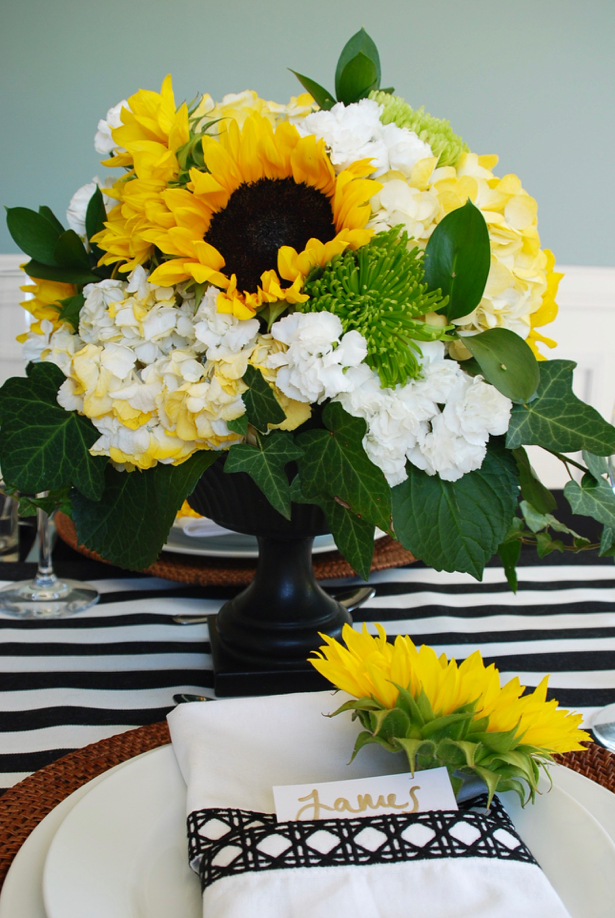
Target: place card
{"type": "Point", "coordinates": [405, 793]}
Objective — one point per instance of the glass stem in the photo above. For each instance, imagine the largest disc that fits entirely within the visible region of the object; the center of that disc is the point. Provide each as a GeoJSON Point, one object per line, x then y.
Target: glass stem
{"type": "Point", "coordinates": [45, 576]}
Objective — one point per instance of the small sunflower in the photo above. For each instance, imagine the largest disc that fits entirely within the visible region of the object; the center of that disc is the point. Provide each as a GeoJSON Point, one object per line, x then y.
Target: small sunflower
{"type": "Point", "coordinates": [268, 209]}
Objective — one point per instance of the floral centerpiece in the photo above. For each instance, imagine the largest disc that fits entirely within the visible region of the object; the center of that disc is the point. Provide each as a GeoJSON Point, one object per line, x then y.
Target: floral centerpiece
{"type": "Point", "coordinates": [439, 713]}
{"type": "Point", "coordinates": [335, 294]}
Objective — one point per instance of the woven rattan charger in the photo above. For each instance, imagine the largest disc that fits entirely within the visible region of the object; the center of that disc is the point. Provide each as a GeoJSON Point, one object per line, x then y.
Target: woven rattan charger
{"type": "Point", "coordinates": [237, 571]}
{"type": "Point", "coordinates": [26, 804]}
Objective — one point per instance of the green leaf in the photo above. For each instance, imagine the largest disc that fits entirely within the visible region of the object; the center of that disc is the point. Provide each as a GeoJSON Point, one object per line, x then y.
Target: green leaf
{"type": "Point", "coordinates": [321, 96]}
{"type": "Point", "coordinates": [457, 525]}
{"type": "Point", "coordinates": [606, 542]}
{"type": "Point", "coordinates": [411, 747]}
{"type": "Point", "coordinates": [239, 425]}
{"type": "Point", "coordinates": [96, 214]}
{"type": "Point", "coordinates": [71, 308]}
{"type": "Point", "coordinates": [53, 500]}
{"type": "Point", "coordinates": [592, 498]}
{"type": "Point", "coordinates": [458, 258]}
{"type": "Point", "coordinates": [262, 407]}
{"type": "Point", "coordinates": [556, 419]}
{"type": "Point", "coordinates": [360, 45]}
{"type": "Point", "coordinates": [357, 80]}
{"type": "Point", "coordinates": [506, 361]}
{"type": "Point", "coordinates": [532, 488]}
{"type": "Point", "coordinates": [336, 465]}
{"type": "Point", "coordinates": [70, 252]}
{"type": "Point", "coordinates": [130, 523]}
{"type": "Point", "coordinates": [537, 521]}
{"type": "Point", "coordinates": [353, 536]}
{"type": "Point", "coordinates": [545, 544]}
{"type": "Point", "coordinates": [57, 273]}
{"type": "Point", "coordinates": [48, 214]}
{"type": "Point", "coordinates": [597, 465]}
{"type": "Point", "coordinates": [267, 466]}
{"type": "Point", "coordinates": [42, 446]}
{"type": "Point", "coordinates": [509, 552]}
{"type": "Point", "coordinates": [34, 233]}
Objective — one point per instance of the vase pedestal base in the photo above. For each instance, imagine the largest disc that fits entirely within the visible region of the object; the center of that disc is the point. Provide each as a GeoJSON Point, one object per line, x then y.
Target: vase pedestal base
{"type": "Point", "coordinates": [234, 677]}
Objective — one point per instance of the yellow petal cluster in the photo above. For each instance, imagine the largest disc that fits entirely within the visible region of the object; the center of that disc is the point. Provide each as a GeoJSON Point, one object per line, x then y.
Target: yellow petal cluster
{"type": "Point", "coordinates": [44, 303]}
{"type": "Point", "coordinates": [239, 106]}
{"type": "Point", "coordinates": [371, 666]}
{"type": "Point", "coordinates": [151, 133]}
{"type": "Point", "coordinates": [521, 287]}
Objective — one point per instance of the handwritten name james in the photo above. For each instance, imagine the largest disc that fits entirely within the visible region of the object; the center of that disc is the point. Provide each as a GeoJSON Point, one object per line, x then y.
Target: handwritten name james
{"type": "Point", "coordinates": [315, 807]}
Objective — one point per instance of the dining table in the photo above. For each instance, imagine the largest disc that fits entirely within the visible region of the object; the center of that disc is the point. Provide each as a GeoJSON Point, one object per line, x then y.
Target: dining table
{"type": "Point", "coordinates": [80, 694]}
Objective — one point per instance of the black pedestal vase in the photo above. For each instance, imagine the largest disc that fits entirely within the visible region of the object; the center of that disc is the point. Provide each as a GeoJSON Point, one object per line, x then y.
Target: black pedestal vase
{"type": "Point", "coordinates": [261, 639]}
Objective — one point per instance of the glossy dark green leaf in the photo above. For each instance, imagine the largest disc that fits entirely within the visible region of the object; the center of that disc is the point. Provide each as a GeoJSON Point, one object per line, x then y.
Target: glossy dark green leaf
{"type": "Point", "coordinates": [457, 525]}
{"type": "Point", "coordinates": [96, 214]}
{"type": "Point", "coordinates": [357, 80]}
{"type": "Point", "coordinates": [336, 465]}
{"type": "Point", "coordinates": [321, 96]}
{"type": "Point", "coordinates": [34, 233]}
{"type": "Point", "coordinates": [267, 466]}
{"type": "Point", "coordinates": [47, 212]}
{"type": "Point", "coordinates": [70, 252]}
{"type": "Point", "coordinates": [130, 523]}
{"type": "Point", "coordinates": [56, 273]}
{"type": "Point", "coordinates": [359, 44]}
{"type": "Point", "coordinates": [556, 419]}
{"type": "Point", "coordinates": [262, 407]}
{"type": "Point", "coordinates": [42, 446]}
{"type": "Point", "coordinates": [458, 258]}
{"type": "Point", "coordinates": [71, 308]}
{"type": "Point", "coordinates": [532, 488]}
{"type": "Point", "coordinates": [509, 555]}
{"type": "Point", "coordinates": [506, 361]}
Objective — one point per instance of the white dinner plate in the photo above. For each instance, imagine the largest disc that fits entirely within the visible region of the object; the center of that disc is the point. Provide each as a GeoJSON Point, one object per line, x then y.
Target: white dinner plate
{"type": "Point", "coordinates": [233, 544]}
{"type": "Point", "coordinates": [121, 851]}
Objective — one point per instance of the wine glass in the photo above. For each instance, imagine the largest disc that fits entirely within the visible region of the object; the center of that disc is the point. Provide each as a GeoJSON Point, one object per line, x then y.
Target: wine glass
{"type": "Point", "coordinates": [47, 596]}
{"type": "Point", "coordinates": [603, 722]}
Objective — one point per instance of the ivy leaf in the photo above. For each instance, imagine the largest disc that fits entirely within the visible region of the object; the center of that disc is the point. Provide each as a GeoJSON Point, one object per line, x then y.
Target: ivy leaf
{"type": "Point", "coordinates": [545, 544]}
{"type": "Point", "coordinates": [360, 47]}
{"type": "Point", "coordinates": [532, 488]}
{"type": "Point", "coordinates": [267, 466]}
{"type": "Point", "coordinates": [34, 233]}
{"type": "Point", "coordinates": [457, 525]}
{"type": "Point", "coordinates": [597, 465]}
{"type": "Point", "coordinates": [537, 521]}
{"type": "Point", "coordinates": [57, 273]}
{"type": "Point", "coordinates": [53, 500]}
{"type": "Point", "coordinates": [556, 419]}
{"type": "Point", "coordinates": [42, 446]}
{"type": "Point", "coordinates": [71, 308]}
{"type": "Point", "coordinates": [262, 407]}
{"type": "Point", "coordinates": [357, 79]}
{"type": "Point", "coordinates": [353, 536]}
{"type": "Point", "coordinates": [607, 540]}
{"type": "Point", "coordinates": [506, 361]}
{"type": "Point", "coordinates": [458, 258]}
{"type": "Point", "coordinates": [239, 425]}
{"type": "Point", "coordinates": [593, 498]}
{"type": "Point", "coordinates": [321, 96]}
{"type": "Point", "coordinates": [130, 523]}
{"type": "Point", "coordinates": [96, 214]}
{"type": "Point", "coordinates": [336, 465]}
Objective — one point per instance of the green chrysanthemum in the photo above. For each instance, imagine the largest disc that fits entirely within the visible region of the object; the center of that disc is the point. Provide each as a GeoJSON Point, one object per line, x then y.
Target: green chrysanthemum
{"type": "Point", "coordinates": [379, 291]}
{"type": "Point", "coordinates": [437, 132]}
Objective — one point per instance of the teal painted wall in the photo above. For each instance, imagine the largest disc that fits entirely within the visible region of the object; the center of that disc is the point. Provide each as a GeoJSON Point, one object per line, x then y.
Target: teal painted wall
{"type": "Point", "coordinates": [531, 80]}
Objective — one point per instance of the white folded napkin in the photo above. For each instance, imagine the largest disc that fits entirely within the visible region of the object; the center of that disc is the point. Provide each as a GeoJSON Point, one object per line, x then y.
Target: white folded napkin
{"type": "Point", "coordinates": [459, 864]}
{"type": "Point", "coordinates": [201, 527]}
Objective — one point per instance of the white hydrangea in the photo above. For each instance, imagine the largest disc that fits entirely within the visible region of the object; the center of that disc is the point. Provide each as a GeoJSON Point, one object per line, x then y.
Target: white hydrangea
{"type": "Point", "coordinates": [222, 333]}
{"type": "Point", "coordinates": [355, 131]}
{"type": "Point", "coordinates": [312, 368]}
{"type": "Point", "coordinates": [57, 346]}
{"type": "Point", "coordinates": [103, 139]}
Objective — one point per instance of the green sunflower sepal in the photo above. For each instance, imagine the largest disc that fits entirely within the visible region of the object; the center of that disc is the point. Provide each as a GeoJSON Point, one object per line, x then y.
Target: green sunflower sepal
{"type": "Point", "coordinates": [458, 741]}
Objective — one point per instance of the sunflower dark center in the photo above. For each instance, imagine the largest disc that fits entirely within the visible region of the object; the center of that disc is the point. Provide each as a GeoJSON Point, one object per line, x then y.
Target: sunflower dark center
{"type": "Point", "coordinates": [262, 216]}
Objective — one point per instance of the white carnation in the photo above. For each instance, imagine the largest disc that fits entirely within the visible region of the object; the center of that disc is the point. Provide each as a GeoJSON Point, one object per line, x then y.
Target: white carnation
{"type": "Point", "coordinates": [103, 140]}
{"type": "Point", "coordinates": [312, 368]}
{"type": "Point", "coordinates": [353, 132]}
{"type": "Point", "coordinates": [78, 205]}
{"type": "Point", "coordinates": [481, 411]}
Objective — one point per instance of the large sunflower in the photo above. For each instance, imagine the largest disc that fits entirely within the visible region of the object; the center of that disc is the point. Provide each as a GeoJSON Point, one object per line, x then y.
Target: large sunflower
{"type": "Point", "coordinates": [269, 208]}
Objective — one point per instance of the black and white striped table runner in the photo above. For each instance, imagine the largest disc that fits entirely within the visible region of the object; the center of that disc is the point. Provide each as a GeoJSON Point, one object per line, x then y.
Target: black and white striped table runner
{"type": "Point", "coordinates": [70, 682]}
